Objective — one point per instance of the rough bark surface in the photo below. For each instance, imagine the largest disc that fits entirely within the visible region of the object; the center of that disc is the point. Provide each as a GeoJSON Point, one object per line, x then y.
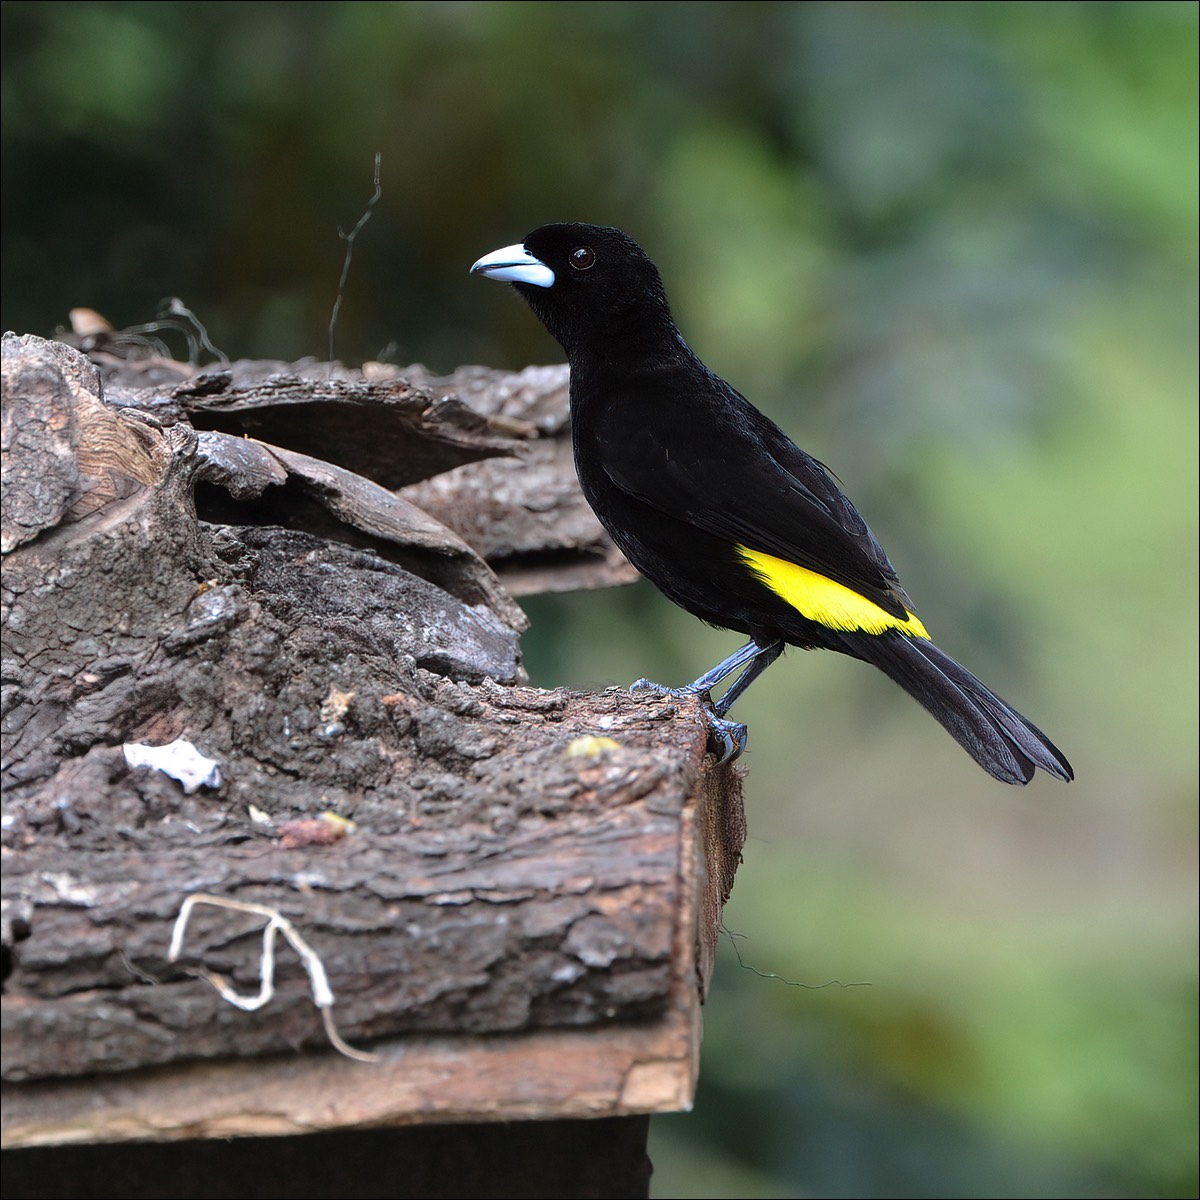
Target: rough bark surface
{"type": "Point", "coordinates": [514, 860]}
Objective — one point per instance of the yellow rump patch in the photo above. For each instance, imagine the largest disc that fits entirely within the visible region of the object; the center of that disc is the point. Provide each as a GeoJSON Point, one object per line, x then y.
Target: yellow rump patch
{"type": "Point", "coordinates": [824, 601]}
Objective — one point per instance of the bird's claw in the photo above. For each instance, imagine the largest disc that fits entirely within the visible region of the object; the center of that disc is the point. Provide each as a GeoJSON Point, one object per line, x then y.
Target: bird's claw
{"type": "Point", "coordinates": [659, 689]}
{"type": "Point", "coordinates": [730, 736]}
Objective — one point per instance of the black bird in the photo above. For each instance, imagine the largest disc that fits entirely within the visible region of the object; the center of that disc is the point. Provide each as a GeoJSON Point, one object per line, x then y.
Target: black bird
{"type": "Point", "coordinates": [722, 512]}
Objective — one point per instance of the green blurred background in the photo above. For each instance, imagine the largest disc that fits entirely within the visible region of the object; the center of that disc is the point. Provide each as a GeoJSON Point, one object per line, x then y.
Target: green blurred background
{"type": "Point", "coordinates": [952, 248]}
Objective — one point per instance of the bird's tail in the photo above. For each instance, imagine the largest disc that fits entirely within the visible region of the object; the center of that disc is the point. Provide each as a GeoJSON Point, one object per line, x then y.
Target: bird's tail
{"type": "Point", "coordinates": [996, 736]}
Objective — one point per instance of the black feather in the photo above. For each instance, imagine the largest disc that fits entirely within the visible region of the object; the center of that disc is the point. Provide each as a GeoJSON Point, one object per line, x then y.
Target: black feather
{"type": "Point", "coordinates": [995, 735]}
{"type": "Point", "coordinates": [691, 481]}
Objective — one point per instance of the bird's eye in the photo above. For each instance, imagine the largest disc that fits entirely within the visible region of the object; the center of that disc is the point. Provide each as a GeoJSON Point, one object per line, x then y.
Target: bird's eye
{"type": "Point", "coordinates": [582, 258]}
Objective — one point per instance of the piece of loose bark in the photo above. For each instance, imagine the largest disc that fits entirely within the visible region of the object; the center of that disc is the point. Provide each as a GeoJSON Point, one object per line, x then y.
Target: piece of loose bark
{"type": "Point", "coordinates": [515, 499]}
{"type": "Point", "coordinates": [524, 514]}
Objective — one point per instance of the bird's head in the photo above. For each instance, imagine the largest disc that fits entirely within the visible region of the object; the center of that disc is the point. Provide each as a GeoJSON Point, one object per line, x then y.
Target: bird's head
{"type": "Point", "coordinates": [593, 287]}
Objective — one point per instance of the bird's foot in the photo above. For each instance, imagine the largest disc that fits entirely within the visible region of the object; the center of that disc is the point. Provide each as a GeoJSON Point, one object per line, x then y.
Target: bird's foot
{"type": "Point", "coordinates": [660, 689]}
{"type": "Point", "coordinates": [728, 738]}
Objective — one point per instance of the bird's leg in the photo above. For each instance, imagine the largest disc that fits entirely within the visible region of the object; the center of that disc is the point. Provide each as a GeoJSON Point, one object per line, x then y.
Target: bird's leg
{"type": "Point", "coordinates": [731, 735]}
{"type": "Point", "coordinates": [758, 664]}
{"type": "Point", "coordinates": [702, 686]}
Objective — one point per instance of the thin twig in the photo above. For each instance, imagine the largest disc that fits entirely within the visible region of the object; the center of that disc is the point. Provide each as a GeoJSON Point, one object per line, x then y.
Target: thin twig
{"type": "Point", "coordinates": [348, 238]}
{"type": "Point", "coordinates": [176, 315]}
{"type": "Point", "coordinates": [812, 987]}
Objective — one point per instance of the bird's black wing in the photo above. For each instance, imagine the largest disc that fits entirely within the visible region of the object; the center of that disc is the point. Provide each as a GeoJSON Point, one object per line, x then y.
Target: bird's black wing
{"type": "Point", "coordinates": [729, 470]}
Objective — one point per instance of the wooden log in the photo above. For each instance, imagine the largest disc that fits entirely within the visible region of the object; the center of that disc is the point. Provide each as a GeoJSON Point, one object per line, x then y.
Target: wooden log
{"type": "Point", "coordinates": [517, 898]}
